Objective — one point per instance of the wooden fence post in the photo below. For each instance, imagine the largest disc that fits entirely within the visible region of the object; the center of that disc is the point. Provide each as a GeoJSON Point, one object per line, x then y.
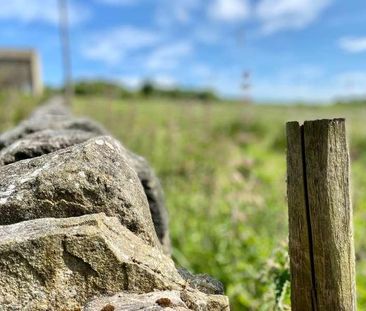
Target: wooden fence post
{"type": "Point", "coordinates": [320, 217]}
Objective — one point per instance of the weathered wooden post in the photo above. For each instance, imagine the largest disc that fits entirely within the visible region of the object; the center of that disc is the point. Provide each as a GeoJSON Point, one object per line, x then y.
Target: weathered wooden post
{"type": "Point", "coordinates": [320, 217]}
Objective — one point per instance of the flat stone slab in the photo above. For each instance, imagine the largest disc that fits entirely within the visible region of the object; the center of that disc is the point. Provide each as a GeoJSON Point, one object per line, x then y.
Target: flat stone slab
{"type": "Point", "coordinates": [59, 264]}
{"type": "Point", "coordinates": [154, 301]}
{"type": "Point", "coordinates": [41, 143]}
{"type": "Point", "coordinates": [185, 299]}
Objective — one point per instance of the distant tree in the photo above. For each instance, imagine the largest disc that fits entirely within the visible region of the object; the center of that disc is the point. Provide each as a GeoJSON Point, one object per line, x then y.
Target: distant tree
{"type": "Point", "coordinates": [111, 89]}
{"type": "Point", "coordinates": [206, 95]}
{"type": "Point", "coordinates": [147, 89]}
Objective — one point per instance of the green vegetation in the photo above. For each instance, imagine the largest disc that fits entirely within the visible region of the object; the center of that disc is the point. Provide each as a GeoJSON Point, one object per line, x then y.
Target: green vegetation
{"type": "Point", "coordinates": [222, 166]}
{"type": "Point", "coordinates": [147, 90]}
{"type": "Point", "coordinates": [101, 88]}
{"type": "Point", "coordinates": [14, 108]}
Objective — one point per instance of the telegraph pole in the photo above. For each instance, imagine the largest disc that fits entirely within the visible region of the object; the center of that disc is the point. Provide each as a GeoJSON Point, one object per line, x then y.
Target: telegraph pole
{"type": "Point", "coordinates": [246, 86]}
{"type": "Point", "coordinates": [246, 83]}
{"type": "Point", "coordinates": [65, 47]}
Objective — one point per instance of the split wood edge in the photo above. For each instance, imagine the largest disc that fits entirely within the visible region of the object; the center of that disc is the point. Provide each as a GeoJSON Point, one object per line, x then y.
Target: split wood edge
{"type": "Point", "coordinates": [321, 246]}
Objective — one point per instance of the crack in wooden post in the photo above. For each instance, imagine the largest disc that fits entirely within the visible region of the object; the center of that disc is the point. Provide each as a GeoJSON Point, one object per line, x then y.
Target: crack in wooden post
{"type": "Point", "coordinates": [308, 222]}
{"type": "Point", "coordinates": [320, 217]}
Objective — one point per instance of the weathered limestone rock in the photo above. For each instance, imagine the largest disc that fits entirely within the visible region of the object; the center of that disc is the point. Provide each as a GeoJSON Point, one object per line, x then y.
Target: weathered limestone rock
{"type": "Point", "coordinates": [199, 301]}
{"type": "Point", "coordinates": [47, 141]}
{"type": "Point", "coordinates": [84, 179]}
{"type": "Point", "coordinates": [60, 264]}
{"type": "Point", "coordinates": [186, 299]}
{"type": "Point", "coordinates": [52, 108]}
{"type": "Point", "coordinates": [52, 127]}
{"type": "Point", "coordinates": [154, 301]}
{"type": "Point", "coordinates": [202, 282]}
{"type": "Point", "coordinates": [155, 197]}
{"type": "Point", "coordinates": [40, 143]}
{"type": "Point", "coordinates": [35, 125]}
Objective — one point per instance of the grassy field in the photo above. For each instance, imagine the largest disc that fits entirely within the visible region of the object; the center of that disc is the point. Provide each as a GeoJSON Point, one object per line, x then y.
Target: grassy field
{"type": "Point", "coordinates": [223, 170]}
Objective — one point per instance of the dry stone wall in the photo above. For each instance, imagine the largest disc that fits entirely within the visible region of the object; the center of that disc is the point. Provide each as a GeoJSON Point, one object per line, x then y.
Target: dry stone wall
{"type": "Point", "coordinates": [83, 225]}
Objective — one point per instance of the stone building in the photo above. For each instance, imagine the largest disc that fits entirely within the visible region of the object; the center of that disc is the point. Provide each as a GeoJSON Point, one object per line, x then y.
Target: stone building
{"type": "Point", "coordinates": [20, 70]}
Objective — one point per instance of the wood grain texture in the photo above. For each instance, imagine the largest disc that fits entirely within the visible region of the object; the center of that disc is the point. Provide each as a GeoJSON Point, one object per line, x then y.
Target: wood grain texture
{"type": "Point", "coordinates": [320, 217]}
{"type": "Point", "coordinates": [299, 240]}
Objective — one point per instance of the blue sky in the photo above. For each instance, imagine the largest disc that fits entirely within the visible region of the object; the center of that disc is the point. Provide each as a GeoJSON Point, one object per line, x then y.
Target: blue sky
{"type": "Point", "coordinates": [294, 49]}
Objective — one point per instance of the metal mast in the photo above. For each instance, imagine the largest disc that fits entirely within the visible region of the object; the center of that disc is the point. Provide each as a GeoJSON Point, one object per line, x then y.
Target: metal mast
{"type": "Point", "coordinates": [246, 86]}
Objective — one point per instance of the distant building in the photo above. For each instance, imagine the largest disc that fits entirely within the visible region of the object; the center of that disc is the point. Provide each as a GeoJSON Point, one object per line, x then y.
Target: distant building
{"type": "Point", "coordinates": [20, 70]}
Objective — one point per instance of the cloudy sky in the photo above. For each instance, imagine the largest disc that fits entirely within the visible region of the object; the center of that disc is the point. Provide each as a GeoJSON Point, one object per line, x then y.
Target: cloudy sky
{"type": "Point", "coordinates": [293, 49]}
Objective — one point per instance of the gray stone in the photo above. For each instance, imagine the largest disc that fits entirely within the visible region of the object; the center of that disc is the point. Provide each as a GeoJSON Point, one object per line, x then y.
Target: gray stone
{"type": "Point", "coordinates": [47, 141]}
{"type": "Point", "coordinates": [84, 179]}
{"type": "Point", "coordinates": [53, 107]}
{"type": "Point", "coordinates": [154, 301]}
{"type": "Point", "coordinates": [41, 143]}
{"type": "Point", "coordinates": [155, 197]}
{"type": "Point", "coordinates": [203, 282]}
{"type": "Point", "coordinates": [31, 126]}
{"type": "Point", "coordinates": [199, 301]}
{"type": "Point", "coordinates": [185, 299]}
{"type": "Point", "coordinates": [60, 264]}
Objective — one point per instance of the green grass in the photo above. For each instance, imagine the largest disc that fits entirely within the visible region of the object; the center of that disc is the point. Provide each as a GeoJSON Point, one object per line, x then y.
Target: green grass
{"type": "Point", "coordinates": [223, 170]}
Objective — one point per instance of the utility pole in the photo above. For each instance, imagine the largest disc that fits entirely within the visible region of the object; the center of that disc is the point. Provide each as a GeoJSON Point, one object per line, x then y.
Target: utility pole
{"type": "Point", "coordinates": [65, 48]}
{"type": "Point", "coordinates": [246, 86]}
{"type": "Point", "coordinates": [246, 83]}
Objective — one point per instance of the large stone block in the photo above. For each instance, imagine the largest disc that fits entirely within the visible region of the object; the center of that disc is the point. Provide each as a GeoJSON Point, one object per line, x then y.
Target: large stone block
{"type": "Point", "coordinates": [60, 264]}
{"type": "Point", "coordinates": [86, 178]}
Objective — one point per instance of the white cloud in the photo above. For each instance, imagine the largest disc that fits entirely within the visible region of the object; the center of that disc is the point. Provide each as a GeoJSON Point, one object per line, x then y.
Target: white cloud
{"type": "Point", "coordinates": [172, 11]}
{"type": "Point", "coordinates": [113, 45]}
{"type": "Point", "coordinates": [353, 44]}
{"type": "Point", "coordinates": [169, 56]}
{"type": "Point", "coordinates": [45, 11]}
{"type": "Point", "coordinates": [277, 15]}
{"type": "Point", "coordinates": [229, 10]}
